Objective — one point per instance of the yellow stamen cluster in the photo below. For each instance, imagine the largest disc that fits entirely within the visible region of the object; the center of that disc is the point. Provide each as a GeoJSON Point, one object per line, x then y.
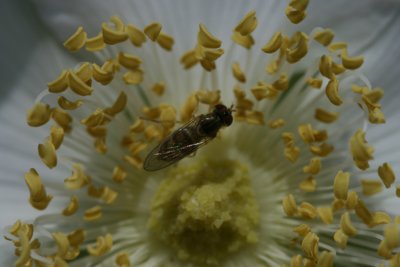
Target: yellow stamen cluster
{"type": "Point", "coordinates": [296, 10]}
{"type": "Point", "coordinates": [242, 32]}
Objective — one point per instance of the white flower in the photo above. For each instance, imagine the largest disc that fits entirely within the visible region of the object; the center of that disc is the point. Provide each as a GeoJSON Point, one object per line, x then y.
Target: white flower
{"type": "Point", "coordinates": [306, 172]}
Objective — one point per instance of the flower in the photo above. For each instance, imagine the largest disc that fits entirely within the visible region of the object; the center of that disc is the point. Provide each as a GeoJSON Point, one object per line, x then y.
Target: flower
{"type": "Point", "coordinates": [294, 179]}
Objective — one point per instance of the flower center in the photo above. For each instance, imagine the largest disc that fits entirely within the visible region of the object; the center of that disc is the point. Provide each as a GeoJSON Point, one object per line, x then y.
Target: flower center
{"type": "Point", "coordinates": [206, 210]}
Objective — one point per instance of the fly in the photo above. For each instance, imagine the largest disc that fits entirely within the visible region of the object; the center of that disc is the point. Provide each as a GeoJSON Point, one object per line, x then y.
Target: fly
{"type": "Point", "coordinates": [188, 138]}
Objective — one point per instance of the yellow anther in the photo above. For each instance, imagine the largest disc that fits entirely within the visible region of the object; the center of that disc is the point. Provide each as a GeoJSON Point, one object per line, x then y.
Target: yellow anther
{"type": "Point", "coordinates": [134, 161]}
{"type": "Point", "coordinates": [337, 46]}
{"type": "Point", "coordinates": [62, 118]}
{"type": "Point", "coordinates": [325, 66]}
{"type": "Point", "coordinates": [97, 131]}
{"type": "Point", "coordinates": [376, 116]}
{"type": "Point", "coordinates": [168, 117]}
{"type": "Point", "coordinates": [118, 106]}
{"type": "Point", "coordinates": [325, 259]}
{"type": "Point", "coordinates": [100, 145]}
{"type": "Point", "coordinates": [332, 92]}
{"type": "Point", "coordinates": [326, 214]}
{"type": "Point", "coordinates": [363, 213]}
{"type": "Point", "coordinates": [165, 41]}
{"type": "Point", "coordinates": [255, 117]}
{"type": "Point", "coordinates": [324, 37]}
{"type": "Point", "coordinates": [315, 83]}
{"type": "Point", "coordinates": [158, 88]}
{"type": "Point", "coordinates": [95, 43]}
{"type": "Point", "coordinates": [293, 55]}
{"type": "Point", "coordinates": [206, 39]}
{"type": "Point", "coordinates": [76, 41]}
{"type": "Point", "coordinates": [295, 16]}
{"type": "Point", "coordinates": [129, 61]}
{"type": "Point", "coordinates": [103, 245]}
{"type": "Point", "coordinates": [39, 199]}
{"type": "Point", "coordinates": [189, 59]}
{"type": "Point", "coordinates": [296, 261]}
{"type": "Point", "coordinates": [314, 167]}
{"type": "Point", "coordinates": [260, 92]}
{"type": "Point", "coordinates": [72, 207]}
{"type": "Point", "coordinates": [322, 150]}
{"type": "Point", "coordinates": [248, 24]}
{"type": "Point", "coordinates": [391, 234]}
{"type": "Point", "coordinates": [351, 63]}
{"type": "Point", "coordinates": [136, 36]}
{"type": "Point", "coordinates": [137, 127]}
{"type": "Point", "coordinates": [371, 187]}
{"type": "Point", "coordinates": [307, 211]}
{"type": "Point", "coordinates": [352, 200]}
{"type": "Point", "coordinates": [247, 41]}
{"type": "Point", "coordinates": [189, 107]}
{"type": "Point", "coordinates": [340, 238]}
{"type": "Point", "coordinates": [386, 174]}
{"type": "Point", "coordinates": [273, 44]}
{"type": "Point", "coordinates": [110, 66]}
{"type": "Point", "coordinates": [379, 218]}
{"type": "Point", "coordinates": [337, 68]}
{"type": "Point", "coordinates": [208, 97]}
{"type": "Point", "coordinates": [56, 136]}
{"type": "Point", "coordinates": [47, 153]}
{"type": "Point", "coordinates": [275, 124]}
{"type": "Point", "coordinates": [60, 84]}
{"type": "Point", "coordinates": [152, 132]}
{"type": "Point", "coordinates": [325, 116]}
{"type": "Point", "coordinates": [122, 260]}
{"type": "Point", "coordinates": [308, 185]}
{"type": "Point", "coordinates": [374, 95]}
{"type": "Point", "coordinates": [119, 174]}
{"type": "Point", "coordinates": [346, 225]}
{"type": "Point", "coordinates": [341, 185]}
{"type": "Point", "coordinates": [38, 115]}
{"type": "Point", "coordinates": [310, 245]}
{"type": "Point", "coordinates": [92, 214]}
{"type": "Point", "coordinates": [292, 153]}
{"type": "Point", "coordinates": [151, 112]}
{"type": "Point", "coordinates": [108, 195]}
{"type": "Point", "coordinates": [95, 119]}
{"type": "Point", "coordinates": [116, 34]}
{"type": "Point", "coordinates": [153, 30]}
{"type": "Point", "coordinates": [299, 4]}
{"type": "Point", "coordinates": [360, 150]}
{"type": "Point", "coordinates": [76, 238]}
{"type": "Point", "coordinates": [64, 103]}
{"type": "Point", "coordinates": [302, 229]}
{"type": "Point", "coordinates": [208, 65]}
{"type": "Point", "coordinates": [288, 139]}
{"type": "Point", "coordinates": [137, 147]}
{"type": "Point", "coordinates": [85, 72]}
{"type": "Point", "coordinates": [309, 135]}
{"type": "Point", "coordinates": [211, 54]}
{"type": "Point", "coordinates": [338, 204]}
{"type": "Point", "coordinates": [78, 179]}
{"type": "Point", "coordinates": [78, 86]}
{"type": "Point", "coordinates": [102, 76]}
{"type": "Point", "coordinates": [282, 83]}
{"type": "Point", "coordinates": [289, 205]}
{"type": "Point", "coordinates": [62, 243]}
{"type": "Point", "coordinates": [15, 228]}
{"type": "Point", "coordinates": [384, 251]}
{"type": "Point", "coordinates": [133, 77]}
{"type": "Point", "coordinates": [238, 73]}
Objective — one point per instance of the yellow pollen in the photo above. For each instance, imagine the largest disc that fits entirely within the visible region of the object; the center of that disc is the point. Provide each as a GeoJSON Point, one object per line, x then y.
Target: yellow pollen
{"type": "Point", "coordinates": [189, 59]}
{"type": "Point", "coordinates": [136, 36]}
{"type": "Point", "coordinates": [76, 41]}
{"type": "Point", "coordinates": [296, 10]}
{"type": "Point", "coordinates": [119, 174]}
{"type": "Point", "coordinates": [247, 41]}
{"type": "Point", "coordinates": [324, 37]}
{"type": "Point", "coordinates": [322, 150]}
{"type": "Point", "coordinates": [275, 124]}
{"type": "Point", "coordinates": [95, 43]}
{"type": "Point", "coordinates": [129, 61]}
{"type": "Point", "coordinates": [39, 199]}
{"type": "Point", "coordinates": [363, 213]}
{"type": "Point", "coordinates": [122, 260]}
{"type": "Point", "coordinates": [346, 225]}
{"type": "Point", "coordinates": [352, 200]}
{"type": "Point", "coordinates": [153, 30]}
{"type": "Point", "coordinates": [116, 34]}
{"type": "Point", "coordinates": [206, 39]}
{"type": "Point", "coordinates": [332, 92]}
{"type": "Point", "coordinates": [302, 229]}
{"type": "Point", "coordinates": [386, 174]}
{"type": "Point", "coordinates": [360, 150]}
{"type": "Point", "coordinates": [325, 66]}
{"type": "Point", "coordinates": [133, 77]}
{"type": "Point", "coordinates": [341, 185]}
{"type": "Point", "coordinates": [238, 73]}
{"type": "Point", "coordinates": [315, 83]}
{"type": "Point", "coordinates": [92, 214]}
{"type": "Point", "coordinates": [294, 55]}
{"type": "Point", "coordinates": [337, 46]}
{"type": "Point", "coordinates": [72, 207]}
{"type": "Point", "coordinates": [102, 76]}
{"type": "Point", "coordinates": [248, 24]}
{"type": "Point", "coordinates": [158, 88]}
{"type": "Point", "coordinates": [47, 153]}
{"type": "Point", "coordinates": [78, 179]}
{"type": "Point", "coordinates": [325, 116]}
{"type": "Point", "coordinates": [289, 205]}
{"type": "Point", "coordinates": [273, 44]}
{"type": "Point", "coordinates": [66, 104]}
{"type": "Point", "coordinates": [78, 85]}
{"type": "Point", "coordinates": [165, 41]}
{"type": "Point", "coordinates": [38, 115]}
{"type": "Point", "coordinates": [391, 234]}
{"type": "Point", "coordinates": [204, 213]}
{"type": "Point", "coordinates": [307, 211]}
{"type": "Point", "coordinates": [62, 118]}
{"type": "Point", "coordinates": [308, 185]}
{"type": "Point", "coordinates": [314, 167]}
{"type": "Point", "coordinates": [102, 246]}
{"type": "Point", "coordinates": [325, 259]}
{"type": "Point", "coordinates": [60, 84]}
{"type": "Point", "coordinates": [340, 238]}
{"type": "Point", "coordinates": [310, 245]}
{"type": "Point", "coordinates": [371, 187]}
{"type": "Point", "coordinates": [325, 214]}
{"type": "Point", "coordinates": [351, 63]}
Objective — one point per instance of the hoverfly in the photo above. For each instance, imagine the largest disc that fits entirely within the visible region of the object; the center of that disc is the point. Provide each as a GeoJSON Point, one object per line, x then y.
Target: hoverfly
{"type": "Point", "coordinates": [188, 138]}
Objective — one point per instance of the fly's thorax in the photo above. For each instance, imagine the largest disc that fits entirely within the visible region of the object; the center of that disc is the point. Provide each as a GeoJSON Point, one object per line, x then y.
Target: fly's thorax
{"type": "Point", "coordinates": [209, 125]}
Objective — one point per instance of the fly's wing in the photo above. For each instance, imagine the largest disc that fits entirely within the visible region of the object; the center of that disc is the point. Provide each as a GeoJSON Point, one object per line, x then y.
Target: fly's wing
{"type": "Point", "coordinates": [160, 158]}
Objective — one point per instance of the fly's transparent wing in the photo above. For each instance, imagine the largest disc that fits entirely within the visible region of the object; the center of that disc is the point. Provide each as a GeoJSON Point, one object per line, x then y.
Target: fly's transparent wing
{"type": "Point", "coordinates": [168, 152]}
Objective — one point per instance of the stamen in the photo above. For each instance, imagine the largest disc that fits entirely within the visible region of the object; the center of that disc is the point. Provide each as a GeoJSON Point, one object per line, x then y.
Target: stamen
{"type": "Point", "coordinates": [38, 115]}
{"type": "Point", "coordinates": [386, 174]}
{"type": "Point", "coordinates": [39, 199]}
{"type": "Point", "coordinates": [116, 34]}
{"type": "Point", "coordinates": [76, 41]}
